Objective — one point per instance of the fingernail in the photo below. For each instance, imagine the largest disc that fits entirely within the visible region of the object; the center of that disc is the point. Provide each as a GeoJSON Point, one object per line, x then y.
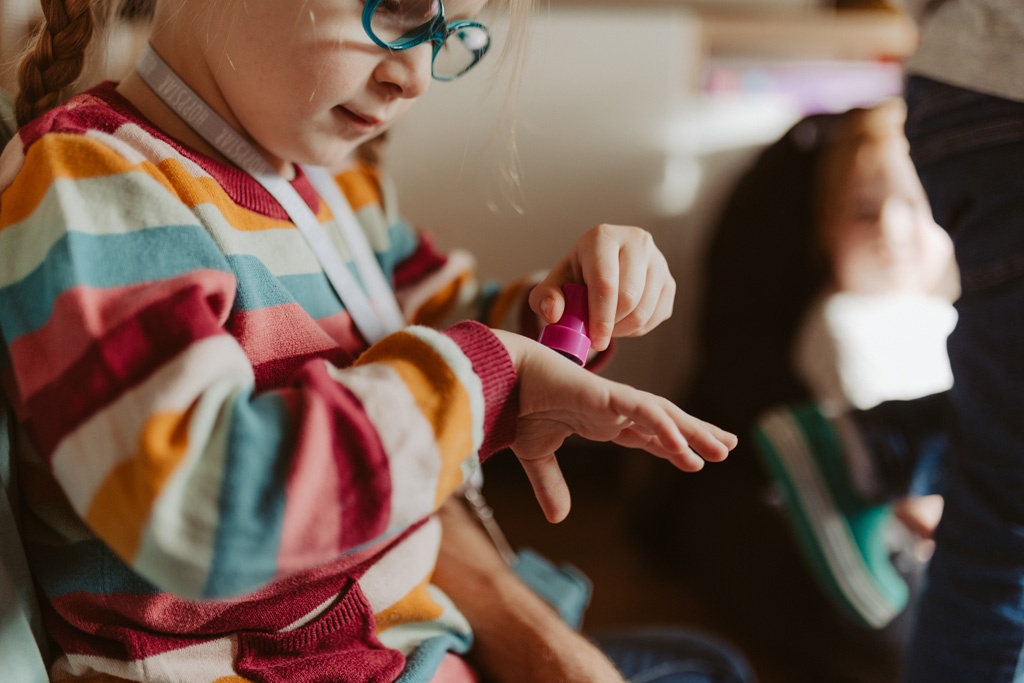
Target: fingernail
{"type": "Point", "coordinates": [547, 308]}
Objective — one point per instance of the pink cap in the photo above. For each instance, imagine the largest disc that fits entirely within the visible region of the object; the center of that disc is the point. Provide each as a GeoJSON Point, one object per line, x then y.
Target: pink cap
{"type": "Point", "coordinates": [569, 335]}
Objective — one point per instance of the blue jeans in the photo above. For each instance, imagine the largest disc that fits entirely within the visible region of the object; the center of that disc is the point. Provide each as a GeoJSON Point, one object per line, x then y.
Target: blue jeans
{"type": "Point", "coordinates": [909, 442]}
{"type": "Point", "coordinates": [969, 152]}
{"type": "Point", "coordinates": [664, 655]}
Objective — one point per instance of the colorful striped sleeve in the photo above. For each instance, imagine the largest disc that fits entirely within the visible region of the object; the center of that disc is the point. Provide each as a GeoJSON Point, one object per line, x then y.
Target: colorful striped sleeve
{"type": "Point", "coordinates": [115, 307]}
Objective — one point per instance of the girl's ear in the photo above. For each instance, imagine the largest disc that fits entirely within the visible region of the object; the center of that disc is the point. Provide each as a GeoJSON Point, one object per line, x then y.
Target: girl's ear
{"type": "Point", "coordinates": [55, 60]}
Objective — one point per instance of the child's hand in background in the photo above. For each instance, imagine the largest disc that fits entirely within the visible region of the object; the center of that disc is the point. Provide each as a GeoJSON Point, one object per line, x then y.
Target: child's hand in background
{"type": "Point", "coordinates": [630, 289]}
{"type": "Point", "coordinates": [558, 398]}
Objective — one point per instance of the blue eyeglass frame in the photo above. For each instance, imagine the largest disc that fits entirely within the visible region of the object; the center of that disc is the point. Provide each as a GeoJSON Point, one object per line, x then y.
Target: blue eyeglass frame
{"type": "Point", "coordinates": [435, 31]}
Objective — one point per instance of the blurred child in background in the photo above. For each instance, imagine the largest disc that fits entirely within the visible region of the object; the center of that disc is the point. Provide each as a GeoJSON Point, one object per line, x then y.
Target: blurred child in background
{"type": "Point", "coordinates": [825, 275]}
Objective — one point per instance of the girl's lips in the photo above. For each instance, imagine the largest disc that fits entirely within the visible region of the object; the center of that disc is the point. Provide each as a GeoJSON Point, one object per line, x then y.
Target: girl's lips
{"type": "Point", "coordinates": [361, 120]}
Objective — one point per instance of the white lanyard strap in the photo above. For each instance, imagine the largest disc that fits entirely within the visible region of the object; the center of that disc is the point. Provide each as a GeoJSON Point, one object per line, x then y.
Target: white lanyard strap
{"type": "Point", "coordinates": [374, 320]}
{"type": "Point", "coordinates": [381, 295]}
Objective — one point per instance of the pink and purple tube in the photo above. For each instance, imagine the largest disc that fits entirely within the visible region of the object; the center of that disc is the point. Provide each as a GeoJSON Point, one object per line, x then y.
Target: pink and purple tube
{"type": "Point", "coordinates": [569, 335]}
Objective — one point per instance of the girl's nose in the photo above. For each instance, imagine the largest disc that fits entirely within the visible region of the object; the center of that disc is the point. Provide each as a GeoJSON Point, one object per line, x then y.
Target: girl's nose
{"type": "Point", "coordinates": [407, 72]}
{"type": "Point", "coordinates": [897, 222]}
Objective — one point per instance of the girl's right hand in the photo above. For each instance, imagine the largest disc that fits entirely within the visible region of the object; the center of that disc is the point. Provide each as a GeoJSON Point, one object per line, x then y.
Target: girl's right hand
{"type": "Point", "coordinates": [558, 398]}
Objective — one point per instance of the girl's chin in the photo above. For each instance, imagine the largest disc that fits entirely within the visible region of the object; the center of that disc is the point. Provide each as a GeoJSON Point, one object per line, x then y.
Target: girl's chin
{"type": "Point", "coordinates": [327, 154]}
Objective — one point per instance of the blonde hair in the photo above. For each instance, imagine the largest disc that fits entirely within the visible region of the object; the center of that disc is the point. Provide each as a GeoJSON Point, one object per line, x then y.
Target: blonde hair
{"type": "Point", "coordinates": [64, 57]}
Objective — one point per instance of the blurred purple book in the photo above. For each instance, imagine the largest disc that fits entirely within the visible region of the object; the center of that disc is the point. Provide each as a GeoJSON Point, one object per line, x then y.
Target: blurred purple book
{"type": "Point", "coordinates": [813, 86]}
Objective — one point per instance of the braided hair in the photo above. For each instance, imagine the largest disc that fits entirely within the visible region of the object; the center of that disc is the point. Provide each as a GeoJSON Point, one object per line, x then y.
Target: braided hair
{"type": "Point", "coordinates": [57, 57]}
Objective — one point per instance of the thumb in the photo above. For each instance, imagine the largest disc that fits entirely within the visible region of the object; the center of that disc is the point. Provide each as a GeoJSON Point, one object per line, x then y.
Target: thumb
{"type": "Point", "coordinates": [547, 299]}
{"type": "Point", "coordinates": [549, 486]}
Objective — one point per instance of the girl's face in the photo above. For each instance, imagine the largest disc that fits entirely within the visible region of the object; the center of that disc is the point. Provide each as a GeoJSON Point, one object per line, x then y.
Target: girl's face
{"type": "Point", "coordinates": [878, 229]}
{"type": "Point", "coordinates": [301, 78]}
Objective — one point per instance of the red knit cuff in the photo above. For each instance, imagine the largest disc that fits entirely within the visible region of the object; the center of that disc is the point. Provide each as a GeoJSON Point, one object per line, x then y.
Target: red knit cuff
{"type": "Point", "coordinates": [494, 367]}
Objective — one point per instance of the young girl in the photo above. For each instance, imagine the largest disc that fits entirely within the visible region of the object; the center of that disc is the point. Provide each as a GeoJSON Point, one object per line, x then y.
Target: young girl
{"type": "Point", "coordinates": [824, 264]}
{"type": "Point", "coordinates": [232, 448]}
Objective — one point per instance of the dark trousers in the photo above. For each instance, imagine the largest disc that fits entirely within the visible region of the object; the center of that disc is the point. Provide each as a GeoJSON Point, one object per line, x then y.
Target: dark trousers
{"type": "Point", "coordinates": [969, 152]}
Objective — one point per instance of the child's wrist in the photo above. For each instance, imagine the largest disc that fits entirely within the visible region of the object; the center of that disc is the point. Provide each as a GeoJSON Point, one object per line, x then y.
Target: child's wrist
{"type": "Point", "coordinates": [515, 344]}
{"type": "Point", "coordinates": [499, 378]}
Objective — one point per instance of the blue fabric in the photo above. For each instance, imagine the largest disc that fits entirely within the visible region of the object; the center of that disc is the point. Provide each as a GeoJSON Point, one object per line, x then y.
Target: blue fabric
{"type": "Point", "coordinates": [424, 661]}
{"type": "Point", "coordinates": [910, 442]}
{"type": "Point", "coordinates": [969, 152]}
{"type": "Point", "coordinates": [564, 587]}
{"type": "Point", "coordinates": [668, 655]}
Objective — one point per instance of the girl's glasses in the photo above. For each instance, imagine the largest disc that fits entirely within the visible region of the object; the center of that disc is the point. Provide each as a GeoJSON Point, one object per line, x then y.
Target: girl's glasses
{"type": "Point", "coordinates": [402, 24]}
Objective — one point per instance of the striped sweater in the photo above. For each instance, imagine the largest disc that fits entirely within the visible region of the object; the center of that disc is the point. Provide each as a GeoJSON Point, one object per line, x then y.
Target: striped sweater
{"type": "Point", "coordinates": [221, 482]}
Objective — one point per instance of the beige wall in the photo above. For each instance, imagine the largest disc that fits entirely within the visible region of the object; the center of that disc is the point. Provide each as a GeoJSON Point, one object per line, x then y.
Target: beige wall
{"type": "Point", "coordinates": [608, 130]}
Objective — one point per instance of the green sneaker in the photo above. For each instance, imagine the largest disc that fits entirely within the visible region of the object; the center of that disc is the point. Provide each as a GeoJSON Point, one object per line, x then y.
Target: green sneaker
{"type": "Point", "coordinates": [841, 533]}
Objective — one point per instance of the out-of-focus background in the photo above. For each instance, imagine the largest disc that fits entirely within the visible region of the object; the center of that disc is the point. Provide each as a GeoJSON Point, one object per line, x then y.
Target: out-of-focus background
{"type": "Point", "coordinates": [638, 112]}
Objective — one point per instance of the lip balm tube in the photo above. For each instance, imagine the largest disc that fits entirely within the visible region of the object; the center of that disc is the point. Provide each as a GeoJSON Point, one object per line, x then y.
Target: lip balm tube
{"type": "Point", "coordinates": [569, 335]}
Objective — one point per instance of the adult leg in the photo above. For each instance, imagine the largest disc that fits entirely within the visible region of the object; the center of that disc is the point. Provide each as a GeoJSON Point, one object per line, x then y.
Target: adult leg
{"type": "Point", "coordinates": [969, 151]}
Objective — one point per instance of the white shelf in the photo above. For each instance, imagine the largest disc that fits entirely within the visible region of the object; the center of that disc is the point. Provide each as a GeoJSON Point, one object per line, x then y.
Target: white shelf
{"type": "Point", "coordinates": [785, 29]}
{"type": "Point", "coordinates": [821, 34]}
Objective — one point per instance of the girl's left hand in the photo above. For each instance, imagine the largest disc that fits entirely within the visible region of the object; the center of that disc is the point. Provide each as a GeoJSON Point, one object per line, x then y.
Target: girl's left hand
{"type": "Point", "coordinates": [558, 398]}
{"type": "Point", "coordinates": [630, 290]}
